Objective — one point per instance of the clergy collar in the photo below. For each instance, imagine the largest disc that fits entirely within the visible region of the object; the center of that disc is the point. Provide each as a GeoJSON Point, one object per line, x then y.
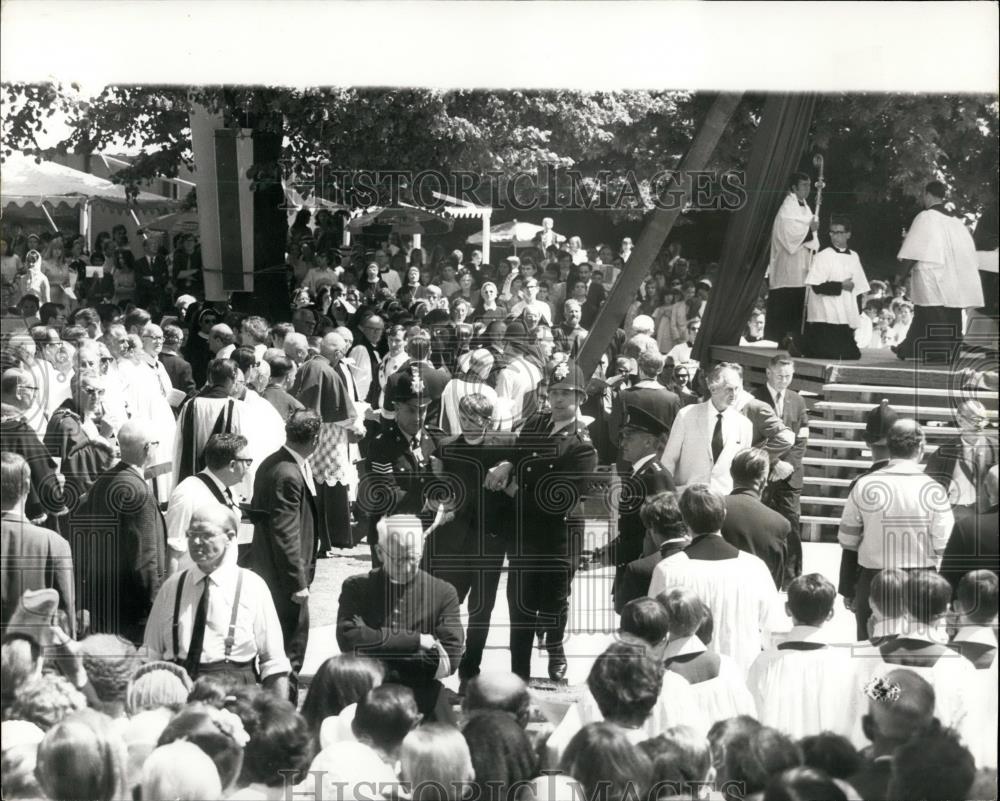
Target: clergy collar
{"type": "Point", "coordinates": [684, 646]}
{"type": "Point", "coordinates": [983, 635]}
{"type": "Point", "coordinates": [643, 462]}
{"type": "Point", "coordinates": [845, 251]}
{"type": "Point", "coordinates": [802, 633]}
{"type": "Point", "coordinates": [922, 633]}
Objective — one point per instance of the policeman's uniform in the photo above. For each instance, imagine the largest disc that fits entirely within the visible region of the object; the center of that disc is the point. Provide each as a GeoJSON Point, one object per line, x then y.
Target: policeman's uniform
{"type": "Point", "coordinates": [398, 466]}
{"type": "Point", "coordinates": [552, 466]}
{"type": "Point", "coordinates": [651, 413]}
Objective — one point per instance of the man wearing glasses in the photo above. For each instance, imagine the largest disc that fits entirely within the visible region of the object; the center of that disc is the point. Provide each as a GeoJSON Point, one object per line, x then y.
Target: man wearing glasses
{"type": "Point", "coordinates": [833, 283]}
{"type": "Point", "coordinates": [119, 539]}
{"type": "Point", "coordinates": [227, 459]}
{"type": "Point", "coordinates": [540, 307]}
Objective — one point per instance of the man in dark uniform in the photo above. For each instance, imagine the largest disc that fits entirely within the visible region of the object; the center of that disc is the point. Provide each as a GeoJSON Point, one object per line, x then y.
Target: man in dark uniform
{"type": "Point", "coordinates": [468, 551]}
{"type": "Point", "coordinates": [648, 416]}
{"type": "Point", "coordinates": [400, 459]}
{"type": "Point", "coordinates": [548, 470]}
{"type": "Point", "coordinates": [418, 348]}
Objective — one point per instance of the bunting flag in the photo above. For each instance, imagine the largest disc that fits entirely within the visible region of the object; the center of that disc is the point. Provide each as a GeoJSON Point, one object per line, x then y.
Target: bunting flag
{"type": "Point", "coordinates": [223, 156]}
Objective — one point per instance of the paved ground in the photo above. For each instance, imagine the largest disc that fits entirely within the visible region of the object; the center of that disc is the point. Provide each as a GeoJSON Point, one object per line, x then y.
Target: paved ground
{"type": "Point", "coordinates": [592, 618]}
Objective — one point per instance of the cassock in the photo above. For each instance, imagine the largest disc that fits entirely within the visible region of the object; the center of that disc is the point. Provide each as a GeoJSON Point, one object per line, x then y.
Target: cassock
{"type": "Point", "coordinates": [831, 311]}
{"type": "Point", "coordinates": [212, 411]}
{"type": "Point", "coordinates": [736, 586]}
{"type": "Point", "coordinates": [322, 388]}
{"type": "Point", "coordinates": [792, 246]}
{"type": "Point", "coordinates": [944, 280]}
{"type": "Point", "coordinates": [806, 685]}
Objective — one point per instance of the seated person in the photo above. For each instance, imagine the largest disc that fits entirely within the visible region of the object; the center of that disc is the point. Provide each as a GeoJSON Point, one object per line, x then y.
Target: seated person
{"type": "Point", "coordinates": [403, 616]}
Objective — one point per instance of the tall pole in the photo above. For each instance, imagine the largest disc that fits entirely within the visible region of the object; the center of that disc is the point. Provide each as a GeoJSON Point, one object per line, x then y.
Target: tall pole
{"type": "Point", "coordinates": [654, 234]}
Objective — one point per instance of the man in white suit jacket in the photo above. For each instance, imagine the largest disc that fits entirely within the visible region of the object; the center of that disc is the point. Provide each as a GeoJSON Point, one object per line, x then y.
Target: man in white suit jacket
{"type": "Point", "coordinates": [689, 452]}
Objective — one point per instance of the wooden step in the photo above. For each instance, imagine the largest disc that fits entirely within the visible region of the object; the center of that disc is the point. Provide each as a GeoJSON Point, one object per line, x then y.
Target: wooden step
{"type": "Point", "coordinates": [857, 425]}
{"type": "Point", "coordinates": [826, 481]}
{"type": "Point", "coordinates": [853, 444]}
{"type": "Point", "coordinates": [984, 395]}
{"type": "Point", "coordinates": [819, 461]}
{"type": "Point", "coordinates": [819, 500]}
{"type": "Point", "coordinates": [818, 520]}
{"type": "Point", "coordinates": [907, 410]}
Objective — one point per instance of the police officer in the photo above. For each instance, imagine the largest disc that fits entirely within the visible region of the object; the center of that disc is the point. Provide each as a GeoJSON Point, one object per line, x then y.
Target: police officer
{"type": "Point", "coordinates": [546, 472]}
{"type": "Point", "coordinates": [642, 438]}
{"type": "Point", "coordinates": [400, 461]}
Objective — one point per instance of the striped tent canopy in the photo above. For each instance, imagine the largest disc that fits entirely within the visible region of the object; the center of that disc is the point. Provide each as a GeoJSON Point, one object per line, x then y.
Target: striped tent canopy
{"type": "Point", "coordinates": [23, 182]}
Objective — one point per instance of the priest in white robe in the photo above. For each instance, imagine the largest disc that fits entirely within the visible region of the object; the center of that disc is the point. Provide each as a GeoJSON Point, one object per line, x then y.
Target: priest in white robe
{"type": "Point", "coordinates": [736, 586]}
{"type": "Point", "coordinates": [793, 242]}
{"type": "Point", "coordinates": [944, 275]}
{"type": "Point", "coordinates": [834, 282]}
{"type": "Point", "coordinates": [806, 684]}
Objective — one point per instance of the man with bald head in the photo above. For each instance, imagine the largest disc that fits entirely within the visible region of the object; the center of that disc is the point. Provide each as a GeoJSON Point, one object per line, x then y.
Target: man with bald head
{"type": "Point", "coordinates": [119, 539]}
{"type": "Point", "coordinates": [194, 611]}
{"type": "Point", "coordinates": [889, 724]}
{"type": "Point", "coordinates": [500, 691]}
{"type": "Point", "coordinates": [909, 525]}
{"type": "Point", "coordinates": [321, 387]}
{"type": "Point", "coordinates": [404, 617]}
{"type": "Point", "coordinates": [221, 341]}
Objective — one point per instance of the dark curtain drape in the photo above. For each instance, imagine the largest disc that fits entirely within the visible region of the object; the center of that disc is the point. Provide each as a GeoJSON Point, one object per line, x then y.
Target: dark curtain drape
{"type": "Point", "coordinates": [777, 149]}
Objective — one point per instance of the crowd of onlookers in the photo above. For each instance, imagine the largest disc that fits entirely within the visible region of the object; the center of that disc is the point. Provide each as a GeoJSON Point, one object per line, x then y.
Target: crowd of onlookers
{"type": "Point", "coordinates": [102, 358]}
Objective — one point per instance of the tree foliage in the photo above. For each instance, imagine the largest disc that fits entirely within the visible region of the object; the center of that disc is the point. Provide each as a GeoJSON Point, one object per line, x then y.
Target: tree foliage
{"type": "Point", "coordinates": [879, 148]}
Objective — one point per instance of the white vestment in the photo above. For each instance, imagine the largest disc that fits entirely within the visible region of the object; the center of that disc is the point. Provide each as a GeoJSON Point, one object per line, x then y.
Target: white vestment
{"type": "Point", "coordinates": [832, 265]}
{"type": "Point", "coordinates": [740, 593]}
{"type": "Point", "coordinates": [726, 696]}
{"type": "Point", "coordinates": [946, 272]}
{"type": "Point", "coordinates": [791, 251]}
{"type": "Point", "coordinates": [147, 387]}
{"type": "Point", "coordinates": [264, 429]}
{"type": "Point", "coordinates": [805, 692]}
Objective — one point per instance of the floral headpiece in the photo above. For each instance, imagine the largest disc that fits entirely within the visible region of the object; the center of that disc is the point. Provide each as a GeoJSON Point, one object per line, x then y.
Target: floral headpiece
{"type": "Point", "coordinates": [229, 723]}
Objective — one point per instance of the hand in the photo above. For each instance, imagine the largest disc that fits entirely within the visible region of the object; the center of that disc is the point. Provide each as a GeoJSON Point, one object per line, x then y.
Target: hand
{"type": "Point", "coordinates": [849, 604]}
{"type": "Point", "coordinates": [781, 471]}
{"type": "Point", "coordinates": [497, 476]}
{"type": "Point", "coordinates": [848, 285]}
{"type": "Point", "coordinates": [300, 597]}
{"type": "Point", "coordinates": [814, 224]}
{"type": "Point", "coordinates": [427, 642]}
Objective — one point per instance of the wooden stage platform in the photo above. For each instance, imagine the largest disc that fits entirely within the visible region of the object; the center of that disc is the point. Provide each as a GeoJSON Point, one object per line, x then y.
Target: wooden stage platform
{"type": "Point", "coordinates": [875, 367]}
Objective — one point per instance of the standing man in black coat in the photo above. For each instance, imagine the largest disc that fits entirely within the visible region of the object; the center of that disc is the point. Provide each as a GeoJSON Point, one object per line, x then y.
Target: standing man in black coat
{"type": "Point", "coordinates": [749, 524]}
{"type": "Point", "coordinates": [547, 470]}
{"type": "Point", "coordinates": [642, 438]}
{"type": "Point", "coordinates": [784, 493]}
{"type": "Point", "coordinates": [283, 550]}
{"type": "Point", "coordinates": [177, 367]}
{"type": "Point", "coordinates": [119, 540]}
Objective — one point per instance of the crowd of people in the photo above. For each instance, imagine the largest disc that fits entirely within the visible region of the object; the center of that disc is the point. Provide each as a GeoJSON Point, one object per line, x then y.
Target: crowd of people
{"type": "Point", "coordinates": [173, 469]}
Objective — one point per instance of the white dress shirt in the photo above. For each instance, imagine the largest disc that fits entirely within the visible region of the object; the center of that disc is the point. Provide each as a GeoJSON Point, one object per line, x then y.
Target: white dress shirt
{"type": "Point", "coordinates": [304, 468]}
{"type": "Point", "coordinates": [258, 631]}
{"type": "Point", "coordinates": [188, 496]}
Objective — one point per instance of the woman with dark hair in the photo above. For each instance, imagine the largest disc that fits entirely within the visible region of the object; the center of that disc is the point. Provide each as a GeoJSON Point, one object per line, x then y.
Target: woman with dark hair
{"type": "Point", "coordinates": [502, 755]}
{"type": "Point", "coordinates": [803, 784]}
{"type": "Point", "coordinates": [280, 747]}
{"type": "Point", "coordinates": [606, 763]}
{"type": "Point", "coordinates": [334, 692]}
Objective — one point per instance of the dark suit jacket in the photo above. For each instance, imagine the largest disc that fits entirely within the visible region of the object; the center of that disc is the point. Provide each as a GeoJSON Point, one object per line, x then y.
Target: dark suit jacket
{"type": "Point", "coordinates": [45, 495]}
{"type": "Point", "coordinates": [281, 400]}
{"type": "Point", "coordinates": [119, 543]}
{"type": "Point", "coordinates": [972, 546]}
{"type": "Point", "coordinates": [652, 478]}
{"type": "Point", "coordinates": [393, 617]}
{"type": "Point", "coordinates": [179, 371]}
{"type": "Point", "coordinates": [283, 550]}
{"type": "Point", "coordinates": [394, 481]}
{"type": "Point", "coordinates": [435, 380]}
{"type": "Point", "coordinates": [33, 558]}
{"type": "Point", "coordinates": [794, 415]}
{"type": "Point", "coordinates": [752, 527]}
{"type": "Point", "coordinates": [941, 465]}
{"type": "Point", "coordinates": [633, 580]}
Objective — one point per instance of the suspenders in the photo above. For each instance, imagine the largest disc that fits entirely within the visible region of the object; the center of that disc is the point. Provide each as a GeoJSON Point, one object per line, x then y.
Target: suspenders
{"type": "Point", "coordinates": [231, 634]}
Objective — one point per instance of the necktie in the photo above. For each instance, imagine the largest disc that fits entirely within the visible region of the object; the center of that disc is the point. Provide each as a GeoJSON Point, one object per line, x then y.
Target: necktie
{"type": "Point", "coordinates": [418, 452]}
{"type": "Point", "coordinates": [779, 403]}
{"type": "Point", "coordinates": [198, 632]}
{"type": "Point", "coordinates": [717, 438]}
{"type": "Point", "coordinates": [307, 474]}
{"type": "Point", "coordinates": [229, 498]}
